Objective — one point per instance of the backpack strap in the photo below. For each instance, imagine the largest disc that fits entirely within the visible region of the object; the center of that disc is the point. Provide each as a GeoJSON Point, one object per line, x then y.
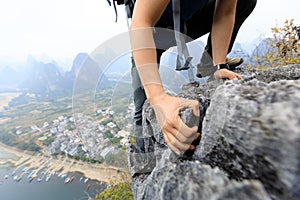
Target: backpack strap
{"type": "Point", "coordinates": [183, 61]}
{"type": "Point", "coordinates": [129, 4]}
{"type": "Point", "coordinates": [115, 7]}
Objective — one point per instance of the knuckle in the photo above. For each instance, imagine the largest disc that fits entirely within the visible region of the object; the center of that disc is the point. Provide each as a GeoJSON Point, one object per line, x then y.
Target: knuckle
{"type": "Point", "coordinates": [183, 139]}
{"type": "Point", "coordinates": [187, 140]}
{"type": "Point", "coordinates": [185, 147]}
{"type": "Point", "coordinates": [169, 122]}
{"type": "Point", "coordinates": [188, 135]}
{"type": "Point", "coordinates": [172, 142]}
{"type": "Point", "coordinates": [164, 129]}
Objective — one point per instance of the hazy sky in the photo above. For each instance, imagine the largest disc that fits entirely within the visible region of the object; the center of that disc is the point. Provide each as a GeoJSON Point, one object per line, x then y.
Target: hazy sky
{"type": "Point", "coordinates": [63, 28]}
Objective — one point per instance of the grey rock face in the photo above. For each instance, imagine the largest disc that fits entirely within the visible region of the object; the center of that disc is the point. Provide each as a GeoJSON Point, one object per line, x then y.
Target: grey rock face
{"type": "Point", "coordinates": [252, 131]}
{"type": "Point", "coordinates": [193, 180]}
{"type": "Point", "coordinates": [290, 72]}
{"type": "Point", "coordinates": [249, 144]}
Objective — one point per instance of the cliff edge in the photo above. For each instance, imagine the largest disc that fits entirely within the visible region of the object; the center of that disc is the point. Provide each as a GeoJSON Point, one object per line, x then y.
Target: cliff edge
{"type": "Point", "coordinates": [249, 146]}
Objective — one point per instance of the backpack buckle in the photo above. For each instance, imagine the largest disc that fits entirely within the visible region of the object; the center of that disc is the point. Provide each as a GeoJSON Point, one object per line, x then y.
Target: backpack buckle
{"type": "Point", "coordinates": [187, 63]}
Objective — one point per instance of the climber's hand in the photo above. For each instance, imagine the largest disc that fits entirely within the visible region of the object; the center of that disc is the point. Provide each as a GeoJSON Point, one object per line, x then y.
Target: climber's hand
{"type": "Point", "coordinates": [225, 73]}
{"type": "Point", "coordinates": [177, 134]}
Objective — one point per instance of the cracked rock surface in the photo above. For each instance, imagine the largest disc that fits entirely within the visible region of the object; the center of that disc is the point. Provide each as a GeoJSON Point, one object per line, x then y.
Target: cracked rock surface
{"type": "Point", "coordinates": [249, 147]}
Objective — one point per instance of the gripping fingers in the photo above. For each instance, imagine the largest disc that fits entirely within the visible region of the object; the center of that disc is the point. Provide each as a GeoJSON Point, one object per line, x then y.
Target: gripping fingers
{"type": "Point", "coordinates": [235, 76]}
{"type": "Point", "coordinates": [181, 137]}
{"type": "Point", "coordinates": [176, 145]}
{"type": "Point", "coordinates": [239, 76]}
{"type": "Point", "coordinates": [193, 104]}
{"type": "Point", "coordinates": [182, 132]}
{"type": "Point", "coordinates": [187, 131]}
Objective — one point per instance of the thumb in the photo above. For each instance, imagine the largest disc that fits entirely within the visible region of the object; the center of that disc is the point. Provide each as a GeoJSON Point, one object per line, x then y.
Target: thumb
{"type": "Point", "coordinates": [193, 104]}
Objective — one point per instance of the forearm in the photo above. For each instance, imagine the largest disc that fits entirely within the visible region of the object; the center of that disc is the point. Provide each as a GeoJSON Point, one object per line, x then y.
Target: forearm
{"type": "Point", "coordinates": [144, 54]}
{"type": "Point", "coordinates": [145, 15]}
{"type": "Point", "coordinates": [222, 28]}
{"type": "Point", "coordinates": [177, 134]}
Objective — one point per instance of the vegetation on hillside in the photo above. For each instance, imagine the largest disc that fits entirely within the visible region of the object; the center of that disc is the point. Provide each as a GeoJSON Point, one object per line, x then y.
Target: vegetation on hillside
{"type": "Point", "coordinates": [116, 192]}
{"type": "Point", "coordinates": [283, 48]}
{"type": "Point", "coordinates": [12, 140]}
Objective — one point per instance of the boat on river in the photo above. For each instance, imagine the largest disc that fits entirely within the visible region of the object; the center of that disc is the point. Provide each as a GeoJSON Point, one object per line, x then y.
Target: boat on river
{"type": "Point", "coordinates": [64, 176]}
{"type": "Point", "coordinates": [30, 174]}
{"type": "Point", "coordinates": [69, 180]}
{"type": "Point", "coordinates": [31, 179]}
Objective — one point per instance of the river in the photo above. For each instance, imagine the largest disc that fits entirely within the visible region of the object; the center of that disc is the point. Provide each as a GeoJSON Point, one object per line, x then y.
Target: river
{"type": "Point", "coordinates": [54, 189]}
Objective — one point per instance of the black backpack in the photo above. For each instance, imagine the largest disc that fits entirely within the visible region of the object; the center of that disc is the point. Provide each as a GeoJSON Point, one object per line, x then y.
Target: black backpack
{"type": "Point", "coordinates": [129, 5]}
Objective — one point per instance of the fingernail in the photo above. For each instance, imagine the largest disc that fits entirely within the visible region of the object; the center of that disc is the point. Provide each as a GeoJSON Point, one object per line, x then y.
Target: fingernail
{"type": "Point", "coordinates": [197, 136]}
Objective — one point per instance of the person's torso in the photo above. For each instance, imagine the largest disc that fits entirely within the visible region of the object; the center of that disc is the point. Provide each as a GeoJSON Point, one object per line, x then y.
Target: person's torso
{"type": "Point", "coordinates": [187, 8]}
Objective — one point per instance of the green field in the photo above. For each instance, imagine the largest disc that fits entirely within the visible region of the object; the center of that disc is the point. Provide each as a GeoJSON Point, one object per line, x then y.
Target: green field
{"type": "Point", "coordinates": [25, 111]}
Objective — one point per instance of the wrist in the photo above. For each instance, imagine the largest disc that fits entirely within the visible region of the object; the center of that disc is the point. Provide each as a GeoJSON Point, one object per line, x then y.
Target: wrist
{"type": "Point", "coordinates": [154, 93]}
{"type": "Point", "coordinates": [157, 99]}
{"type": "Point", "coordinates": [222, 66]}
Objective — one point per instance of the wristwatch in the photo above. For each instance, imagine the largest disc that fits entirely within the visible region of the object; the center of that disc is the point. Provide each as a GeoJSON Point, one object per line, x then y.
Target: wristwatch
{"type": "Point", "coordinates": [223, 66]}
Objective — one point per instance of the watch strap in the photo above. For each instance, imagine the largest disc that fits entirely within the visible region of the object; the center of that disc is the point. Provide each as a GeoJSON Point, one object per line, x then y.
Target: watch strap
{"type": "Point", "coordinates": [223, 66]}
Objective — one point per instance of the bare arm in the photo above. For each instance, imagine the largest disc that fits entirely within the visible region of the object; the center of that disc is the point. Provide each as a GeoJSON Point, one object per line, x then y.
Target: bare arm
{"type": "Point", "coordinates": [223, 23]}
{"type": "Point", "coordinates": [145, 16]}
{"type": "Point", "coordinates": [177, 135]}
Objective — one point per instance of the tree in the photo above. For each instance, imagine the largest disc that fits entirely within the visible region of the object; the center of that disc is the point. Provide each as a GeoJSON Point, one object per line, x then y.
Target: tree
{"type": "Point", "coordinates": [116, 192]}
{"type": "Point", "coordinates": [48, 141]}
{"type": "Point", "coordinates": [100, 159]}
{"type": "Point", "coordinates": [54, 155]}
{"type": "Point", "coordinates": [287, 43]}
{"type": "Point", "coordinates": [108, 134]}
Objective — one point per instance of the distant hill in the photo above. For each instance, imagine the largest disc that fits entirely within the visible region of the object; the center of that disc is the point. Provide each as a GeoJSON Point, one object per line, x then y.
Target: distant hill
{"type": "Point", "coordinates": [8, 72]}
{"type": "Point", "coordinates": [260, 48]}
{"type": "Point", "coordinates": [77, 63]}
{"type": "Point", "coordinates": [238, 50]}
{"type": "Point", "coordinates": [263, 47]}
{"type": "Point", "coordinates": [86, 73]}
{"type": "Point", "coordinates": [42, 78]}
{"type": "Point", "coordinates": [47, 78]}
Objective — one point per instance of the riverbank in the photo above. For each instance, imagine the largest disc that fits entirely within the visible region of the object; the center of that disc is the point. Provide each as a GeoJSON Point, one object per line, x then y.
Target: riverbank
{"type": "Point", "coordinates": [5, 98]}
{"type": "Point", "coordinates": [99, 172]}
